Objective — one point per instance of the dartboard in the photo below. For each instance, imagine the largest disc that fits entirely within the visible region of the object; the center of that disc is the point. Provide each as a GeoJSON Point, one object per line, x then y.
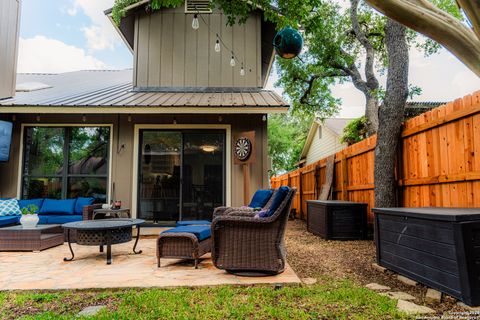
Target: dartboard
{"type": "Point", "coordinates": [243, 148]}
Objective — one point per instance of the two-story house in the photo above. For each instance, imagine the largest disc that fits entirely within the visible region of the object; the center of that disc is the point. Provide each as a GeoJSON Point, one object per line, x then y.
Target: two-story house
{"type": "Point", "coordinates": [164, 137]}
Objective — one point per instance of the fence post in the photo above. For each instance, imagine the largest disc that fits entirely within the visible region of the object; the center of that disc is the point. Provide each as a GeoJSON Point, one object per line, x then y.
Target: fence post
{"type": "Point", "coordinates": [317, 181]}
{"type": "Point", "coordinates": [300, 192]}
{"type": "Point", "coordinates": [343, 165]}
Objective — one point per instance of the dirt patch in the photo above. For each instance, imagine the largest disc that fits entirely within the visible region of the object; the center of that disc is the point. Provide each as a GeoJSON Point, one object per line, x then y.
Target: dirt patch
{"type": "Point", "coordinates": [56, 302]}
{"type": "Point", "coordinates": [312, 256]}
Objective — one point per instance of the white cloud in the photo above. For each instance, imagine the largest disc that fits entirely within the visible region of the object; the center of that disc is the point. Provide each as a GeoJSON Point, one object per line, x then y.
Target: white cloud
{"type": "Point", "coordinates": [41, 54]}
{"type": "Point", "coordinates": [101, 35]}
{"type": "Point", "coordinates": [97, 38]}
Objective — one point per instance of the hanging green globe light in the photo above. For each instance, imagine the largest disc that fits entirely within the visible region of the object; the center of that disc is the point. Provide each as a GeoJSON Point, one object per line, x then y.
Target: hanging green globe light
{"type": "Point", "coordinates": [288, 43]}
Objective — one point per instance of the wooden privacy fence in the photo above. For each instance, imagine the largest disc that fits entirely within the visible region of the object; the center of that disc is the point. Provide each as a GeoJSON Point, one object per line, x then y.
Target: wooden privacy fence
{"type": "Point", "coordinates": [439, 163]}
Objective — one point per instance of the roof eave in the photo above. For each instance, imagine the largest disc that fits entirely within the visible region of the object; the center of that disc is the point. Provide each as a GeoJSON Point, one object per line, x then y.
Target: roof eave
{"type": "Point", "coordinates": [28, 109]}
{"type": "Point", "coordinates": [308, 142]}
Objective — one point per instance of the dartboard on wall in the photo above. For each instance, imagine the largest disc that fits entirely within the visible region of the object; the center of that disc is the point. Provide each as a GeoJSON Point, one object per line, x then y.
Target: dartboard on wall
{"type": "Point", "coordinates": [243, 148]}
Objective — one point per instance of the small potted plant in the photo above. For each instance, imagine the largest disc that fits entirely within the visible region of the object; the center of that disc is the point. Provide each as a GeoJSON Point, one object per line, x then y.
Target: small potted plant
{"type": "Point", "coordinates": [29, 219]}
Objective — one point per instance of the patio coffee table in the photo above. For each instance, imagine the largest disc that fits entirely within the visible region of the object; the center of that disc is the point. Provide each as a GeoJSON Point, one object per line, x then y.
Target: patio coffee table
{"type": "Point", "coordinates": [41, 237]}
{"type": "Point", "coordinates": [105, 232]}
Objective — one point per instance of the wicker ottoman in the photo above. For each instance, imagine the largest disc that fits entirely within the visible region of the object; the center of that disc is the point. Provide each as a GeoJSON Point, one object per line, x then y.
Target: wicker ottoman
{"type": "Point", "coordinates": [186, 242]}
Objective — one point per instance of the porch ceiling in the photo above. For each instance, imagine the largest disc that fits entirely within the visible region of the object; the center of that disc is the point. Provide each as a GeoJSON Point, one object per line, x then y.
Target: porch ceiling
{"type": "Point", "coordinates": [113, 90]}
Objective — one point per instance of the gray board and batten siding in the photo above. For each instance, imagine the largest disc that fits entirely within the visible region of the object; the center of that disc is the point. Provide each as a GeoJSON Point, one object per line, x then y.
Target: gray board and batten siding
{"type": "Point", "coordinates": [9, 30]}
{"type": "Point", "coordinates": [169, 53]}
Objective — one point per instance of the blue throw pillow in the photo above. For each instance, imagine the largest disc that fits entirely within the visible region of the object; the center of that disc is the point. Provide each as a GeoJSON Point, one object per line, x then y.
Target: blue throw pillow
{"type": "Point", "coordinates": [36, 202]}
{"type": "Point", "coordinates": [51, 206]}
{"type": "Point", "coordinates": [9, 207]}
{"type": "Point", "coordinates": [81, 202]}
{"type": "Point", "coordinates": [260, 198]}
{"type": "Point", "coordinates": [277, 200]}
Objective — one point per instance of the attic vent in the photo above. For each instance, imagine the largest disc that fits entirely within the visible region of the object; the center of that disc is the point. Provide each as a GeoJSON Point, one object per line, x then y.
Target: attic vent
{"type": "Point", "coordinates": [198, 6]}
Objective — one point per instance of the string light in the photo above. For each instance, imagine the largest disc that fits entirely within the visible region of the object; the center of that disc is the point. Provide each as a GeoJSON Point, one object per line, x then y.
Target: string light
{"type": "Point", "coordinates": [195, 22]}
{"type": "Point", "coordinates": [219, 43]}
{"type": "Point", "coordinates": [218, 48]}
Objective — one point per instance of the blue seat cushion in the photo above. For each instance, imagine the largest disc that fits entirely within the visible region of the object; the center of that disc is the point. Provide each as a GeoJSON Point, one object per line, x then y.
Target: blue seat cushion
{"type": "Point", "coordinates": [193, 223]}
{"type": "Point", "coordinates": [277, 200]}
{"type": "Point", "coordinates": [9, 220]}
{"type": "Point", "coordinates": [36, 202]}
{"type": "Point", "coordinates": [61, 219]}
{"type": "Point", "coordinates": [43, 219]}
{"type": "Point", "coordinates": [58, 207]}
{"type": "Point", "coordinates": [201, 232]}
{"type": "Point", "coordinates": [81, 202]}
{"type": "Point", "coordinates": [260, 198]}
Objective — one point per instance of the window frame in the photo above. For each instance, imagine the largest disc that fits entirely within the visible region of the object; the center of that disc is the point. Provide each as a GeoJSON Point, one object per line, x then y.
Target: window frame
{"type": "Point", "coordinates": [65, 176]}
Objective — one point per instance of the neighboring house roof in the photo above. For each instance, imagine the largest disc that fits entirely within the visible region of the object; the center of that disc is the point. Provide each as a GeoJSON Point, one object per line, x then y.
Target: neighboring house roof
{"type": "Point", "coordinates": [113, 89]}
{"type": "Point", "coordinates": [414, 108]}
{"type": "Point", "coordinates": [335, 125]}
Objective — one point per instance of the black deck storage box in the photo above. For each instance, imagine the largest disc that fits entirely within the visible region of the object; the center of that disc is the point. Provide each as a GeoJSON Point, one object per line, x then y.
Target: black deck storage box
{"type": "Point", "coordinates": [337, 220]}
{"type": "Point", "coordinates": [439, 247]}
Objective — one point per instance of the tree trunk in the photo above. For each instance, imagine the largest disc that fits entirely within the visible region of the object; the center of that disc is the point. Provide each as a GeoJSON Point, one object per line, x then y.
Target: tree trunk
{"type": "Point", "coordinates": [371, 112]}
{"type": "Point", "coordinates": [391, 115]}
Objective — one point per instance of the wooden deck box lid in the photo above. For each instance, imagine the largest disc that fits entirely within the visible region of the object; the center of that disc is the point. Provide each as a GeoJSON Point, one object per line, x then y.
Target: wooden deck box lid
{"type": "Point", "coordinates": [337, 203]}
{"type": "Point", "coordinates": [432, 213]}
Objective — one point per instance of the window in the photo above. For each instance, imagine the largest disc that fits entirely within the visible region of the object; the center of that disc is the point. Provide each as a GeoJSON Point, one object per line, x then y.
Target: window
{"type": "Point", "coordinates": [66, 162]}
{"type": "Point", "coordinates": [319, 132]}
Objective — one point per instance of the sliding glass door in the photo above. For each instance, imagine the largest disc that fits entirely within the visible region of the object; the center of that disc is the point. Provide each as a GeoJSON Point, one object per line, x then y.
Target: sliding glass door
{"type": "Point", "coordinates": [181, 174]}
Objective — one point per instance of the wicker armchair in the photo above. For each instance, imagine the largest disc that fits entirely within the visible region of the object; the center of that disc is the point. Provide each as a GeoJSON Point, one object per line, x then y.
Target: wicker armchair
{"type": "Point", "coordinates": [251, 246]}
{"type": "Point", "coordinates": [88, 211]}
{"type": "Point", "coordinates": [241, 211]}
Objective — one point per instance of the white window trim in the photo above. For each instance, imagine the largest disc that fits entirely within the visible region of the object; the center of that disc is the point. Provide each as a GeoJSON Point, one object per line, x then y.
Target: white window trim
{"type": "Point", "coordinates": [228, 154]}
{"type": "Point", "coordinates": [63, 125]}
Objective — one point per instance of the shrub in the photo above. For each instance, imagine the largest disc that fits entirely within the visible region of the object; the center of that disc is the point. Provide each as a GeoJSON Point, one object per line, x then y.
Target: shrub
{"type": "Point", "coordinates": [355, 131]}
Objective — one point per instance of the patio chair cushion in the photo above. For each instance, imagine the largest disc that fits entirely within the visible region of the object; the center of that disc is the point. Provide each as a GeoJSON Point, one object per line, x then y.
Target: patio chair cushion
{"type": "Point", "coordinates": [51, 206]}
{"type": "Point", "coordinates": [9, 207]}
{"type": "Point", "coordinates": [279, 197]}
{"type": "Point", "coordinates": [201, 232]}
{"type": "Point", "coordinates": [36, 202]}
{"type": "Point", "coordinates": [260, 198]}
{"type": "Point", "coordinates": [193, 223]}
{"type": "Point", "coordinates": [61, 219]}
{"type": "Point", "coordinates": [81, 202]}
{"type": "Point", "coordinates": [9, 220]}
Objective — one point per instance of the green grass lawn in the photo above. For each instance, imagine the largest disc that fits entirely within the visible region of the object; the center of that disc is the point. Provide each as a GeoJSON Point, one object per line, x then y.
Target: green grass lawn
{"type": "Point", "coordinates": [326, 300]}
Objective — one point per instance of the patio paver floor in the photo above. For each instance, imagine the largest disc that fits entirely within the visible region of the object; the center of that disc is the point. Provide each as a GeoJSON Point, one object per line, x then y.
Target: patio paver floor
{"type": "Point", "coordinates": [46, 270]}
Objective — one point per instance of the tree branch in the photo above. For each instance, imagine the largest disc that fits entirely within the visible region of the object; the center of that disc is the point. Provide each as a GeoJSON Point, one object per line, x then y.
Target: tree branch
{"type": "Point", "coordinates": [310, 82]}
{"type": "Point", "coordinates": [422, 16]}
{"type": "Point", "coordinates": [472, 11]}
{"type": "Point", "coordinates": [372, 81]}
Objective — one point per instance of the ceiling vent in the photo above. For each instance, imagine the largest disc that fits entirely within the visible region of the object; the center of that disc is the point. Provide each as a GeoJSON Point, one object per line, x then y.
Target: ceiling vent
{"type": "Point", "coordinates": [198, 6]}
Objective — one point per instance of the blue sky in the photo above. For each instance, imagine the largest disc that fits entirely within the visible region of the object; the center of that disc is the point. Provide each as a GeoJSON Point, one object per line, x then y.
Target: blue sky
{"type": "Point", "coordinates": [76, 23]}
{"type": "Point", "coordinates": [68, 35]}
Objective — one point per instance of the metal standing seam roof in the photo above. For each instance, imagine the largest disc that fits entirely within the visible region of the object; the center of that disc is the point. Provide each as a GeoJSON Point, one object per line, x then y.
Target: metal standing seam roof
{"type": "Point", "coordinates": [114, 89]}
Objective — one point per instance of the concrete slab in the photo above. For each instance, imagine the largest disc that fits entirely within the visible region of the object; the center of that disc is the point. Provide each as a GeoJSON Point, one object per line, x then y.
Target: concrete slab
{"type": "Point", "coordinates": [398, 295]}
{"type": "Point", "coordinates": [90, 311]}
{"type": "Point", "coordinates": [433, 296]}
{"type": "Point", "coordinates": [377, 287]}
{"type": "Point", "coordinates": [407, 281]}
{"type": "Point", "coordinates": [412, 308]}
{"type": "Point", "coordinates": [47, 270]}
